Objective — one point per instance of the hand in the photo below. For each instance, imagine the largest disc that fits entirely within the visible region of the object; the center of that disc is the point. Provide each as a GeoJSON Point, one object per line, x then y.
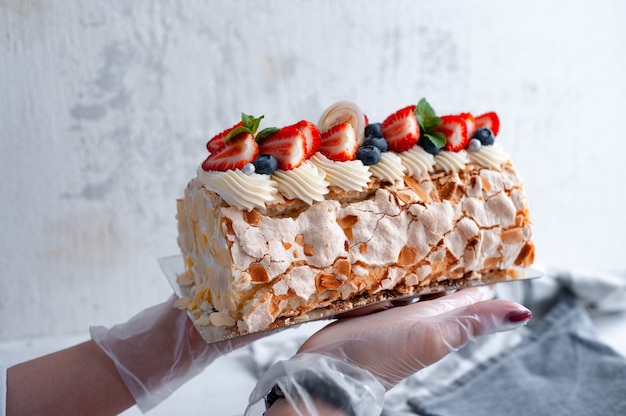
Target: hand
{"type": "Point", "coordinates": [398, 342]}
{"type": "Point", "coordinates": [356, 359]}
{"type": "Point", "coordinates": [159, 349]}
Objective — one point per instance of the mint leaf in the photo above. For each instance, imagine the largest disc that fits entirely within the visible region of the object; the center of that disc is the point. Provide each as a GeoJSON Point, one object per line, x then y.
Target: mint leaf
{"type": "Point", "coordinates": [426, 117]}
{"type": "Point", "coordinates": [268, 131]}
{"type": "Point", "coordinates": [436, 138]}
{"type": "Point", "coordinates": [250, 124]}
{"type": "Point", "coordinates": [236, 131]}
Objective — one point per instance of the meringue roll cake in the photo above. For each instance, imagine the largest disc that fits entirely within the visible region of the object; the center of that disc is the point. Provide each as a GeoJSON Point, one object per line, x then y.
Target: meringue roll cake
{"type": "Point", "coordinates": [280, 222]}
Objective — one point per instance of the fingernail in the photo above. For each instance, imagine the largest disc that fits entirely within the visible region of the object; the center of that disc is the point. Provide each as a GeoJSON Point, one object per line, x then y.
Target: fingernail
{"type": "Point", "coordinates": [520, 315]}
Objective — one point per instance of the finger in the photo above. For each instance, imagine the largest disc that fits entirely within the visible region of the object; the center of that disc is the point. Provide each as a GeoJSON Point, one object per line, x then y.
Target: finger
{"type": "Point", "coordinates": [454, 329]}
{"type": "Point", "coordinates": [458, 299]}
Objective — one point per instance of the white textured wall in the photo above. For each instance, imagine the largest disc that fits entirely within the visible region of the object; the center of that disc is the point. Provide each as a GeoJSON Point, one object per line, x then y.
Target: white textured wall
{"type": "Point", "coordinates": [105, 108]}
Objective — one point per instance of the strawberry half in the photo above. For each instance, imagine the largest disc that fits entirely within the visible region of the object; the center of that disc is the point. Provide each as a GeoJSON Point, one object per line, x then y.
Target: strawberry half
{"type": "Point", "coordinates": [217, 141]}
{"type": "Point", "coordinates": [489, 120]}
{"type": "Point", "coordinates": [470, 123]}
{"type": "Point", "coordinates": [401, 129]}
{"type": "Point", "coordinates": [455, 130]}
{"type": "Point", "coordinates": [339, 143]}
{"type": "Point", "coordinates": [235, 153]}
{"type": "Point", "coordinates": [287, 145]}
{"type": "Point", "coordinates": [312, 135]}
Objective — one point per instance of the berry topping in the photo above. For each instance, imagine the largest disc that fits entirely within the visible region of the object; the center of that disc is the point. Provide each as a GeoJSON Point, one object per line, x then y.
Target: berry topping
{"type": "Point", "coordinates": [474, 145]}
{"type": "Point", "coordinates": [428, 145]}
{"type": "Point", "coordinates": [470, 123]}
{"type": "Point", "coordinates": [374, 130]}
{"type": "Point", "coordinates": [455, 130]}
{"type": "Point", "coordinates": [312, 135]}
{"type": "Point", "coordinates": [369, 155]}
{"type": "Point", "coordinates": [218, 140]}
{"type": "Point", "coordinates": [378, 142]}
{"type": "Point", "coordinates": [484, 135]}
{"type": "Point", "coordinates": [488, 120]}
{"type": "Point", "coordinates": [234, 154]}
{"type": "Point", "coordinates": [265, 164]}
{"type": "Point", "coordinates": [339, 143]}
{"type": "Point", "coordinates": [287, 145]}
{"type": "Point", "coordinates": [430, 139]}
{"type": "Point", "coordinates": [401, 129]}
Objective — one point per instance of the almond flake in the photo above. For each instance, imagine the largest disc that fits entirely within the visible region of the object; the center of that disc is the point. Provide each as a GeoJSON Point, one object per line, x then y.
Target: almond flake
{"type": "Point", "coordinates": [252, 217]}
{"type": "Point", "coordinates": [258, 274]}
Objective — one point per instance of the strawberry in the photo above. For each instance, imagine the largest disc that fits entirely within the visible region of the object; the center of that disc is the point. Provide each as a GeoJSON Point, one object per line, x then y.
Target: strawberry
{"type": "Point", "coordinates": [218, 140]}
{"type": "Point", "coordinates": [455, 130]}
{"type": "Point", "coordinates": [488, 120]}
{"type": "Point", "coordinates": [287, 145]}
{"type": "Point", "coordinates": [401, 129]}
{"type": "Point", "coordinates": [470, 123]}
{"type": "Point", "coordinates": [339, 143]}
{"type": "Point", "coordinates": [312, 135]}
{"type": "Point", "coordinates": [235, 153]}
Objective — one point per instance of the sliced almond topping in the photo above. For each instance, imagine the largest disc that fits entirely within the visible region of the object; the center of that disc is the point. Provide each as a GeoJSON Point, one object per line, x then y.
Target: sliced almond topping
{"type": "Point", "coordinates": [185, 279]}
{"type": "Point", "coordinates": [492, 262]}
{"type": "Point", "coordinates": [258, 274]}
{"type": "Point", "coordinates": [299, 240]}
{"type": "Point", "coordinates": [363, 248]}
{"type": "Point", "coordinates": [343, 267]}
{"type": "Point", "coordinates": [252, 217]}
{"type": "Point", "coordinates": [526, 256]}
{"type": "Point", "coordinates": [406, 196]}
{"type": "Point", "coordinates": [408, 256]}
{"type": "Point", "coordinates": [512, 236]}
{"type": "Point", "coordinates": [287, 245]}
{"type": "Point", "coordinates": [486, 184]}
{"type": "Point", "coordinates": [181, 303]}
{"type": "Point", "coordinates": [324, 281]}
{"type": "Point", "coordinates": [417, 188]}
{"type": "Point", "coordinates": [347, 221]}
{"type": "Point", "coordinates": [308, 250]}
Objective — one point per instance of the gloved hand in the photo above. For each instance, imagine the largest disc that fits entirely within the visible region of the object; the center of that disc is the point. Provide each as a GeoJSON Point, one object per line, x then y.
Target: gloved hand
{"type": "Point", "coordinates": [384, 348]}
{"type": "Point", "coordinates": [158, 350]}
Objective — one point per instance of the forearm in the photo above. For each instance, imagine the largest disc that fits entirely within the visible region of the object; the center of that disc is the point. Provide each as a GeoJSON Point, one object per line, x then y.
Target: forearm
{"type": "Point", "coordinates": [78, 380]}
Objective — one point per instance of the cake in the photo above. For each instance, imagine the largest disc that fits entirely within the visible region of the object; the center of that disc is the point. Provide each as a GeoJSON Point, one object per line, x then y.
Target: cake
{"type": "Point", "coordinates": [282, 222]}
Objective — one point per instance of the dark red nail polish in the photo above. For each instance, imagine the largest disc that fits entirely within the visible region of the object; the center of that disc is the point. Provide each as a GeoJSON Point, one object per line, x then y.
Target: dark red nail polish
{"type": "Point", "coordinates": [519, 316]}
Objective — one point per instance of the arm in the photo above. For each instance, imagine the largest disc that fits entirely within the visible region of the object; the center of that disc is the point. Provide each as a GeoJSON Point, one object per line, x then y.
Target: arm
{"type": "Point", "coordinates": [83, 373]}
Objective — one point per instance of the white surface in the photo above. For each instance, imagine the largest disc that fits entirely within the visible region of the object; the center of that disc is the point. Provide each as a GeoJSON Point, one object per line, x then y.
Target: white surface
{"type": "Point", "coordinates": [105, 109]}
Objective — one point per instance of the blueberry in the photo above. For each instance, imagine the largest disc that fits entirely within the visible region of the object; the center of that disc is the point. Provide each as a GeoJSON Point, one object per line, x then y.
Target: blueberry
{"type": "Point", "coordinates": [265, 164]}
{"type": "Point", "coordinates": [484, 135]}
{"type": "Point", "coordinates": [369, 155]}
{"type": "Point", "coordinates": [428, 146]}
{"type": "Point", "coordinates": [376, 142]}
{"type": "Point", "coordinates": [374, 130]}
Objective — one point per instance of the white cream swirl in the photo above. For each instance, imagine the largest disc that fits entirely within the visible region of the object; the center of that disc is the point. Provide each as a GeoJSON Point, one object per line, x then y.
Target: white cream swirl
{"type": "Point", "coordinates": [306, 182]}
{"type": "Point", "coordinates": [389, 168]}
{"type": "Point", "coordinates": [352, 175]}
{"type": "Point", "coordinates": [451, 161]}
{"type": "Point", "coordinates": [492, 156]}
{"type": "Point", "coordinates": [238, 189]}
{"type": "Point", "coordinates": [417, 161]}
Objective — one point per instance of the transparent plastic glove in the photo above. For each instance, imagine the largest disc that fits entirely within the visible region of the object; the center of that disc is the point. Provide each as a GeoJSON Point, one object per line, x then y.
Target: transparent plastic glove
{"type": "Point", "coordinates": [158, 350]}
{"type": "Point", "coordinates": [393, 344]}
